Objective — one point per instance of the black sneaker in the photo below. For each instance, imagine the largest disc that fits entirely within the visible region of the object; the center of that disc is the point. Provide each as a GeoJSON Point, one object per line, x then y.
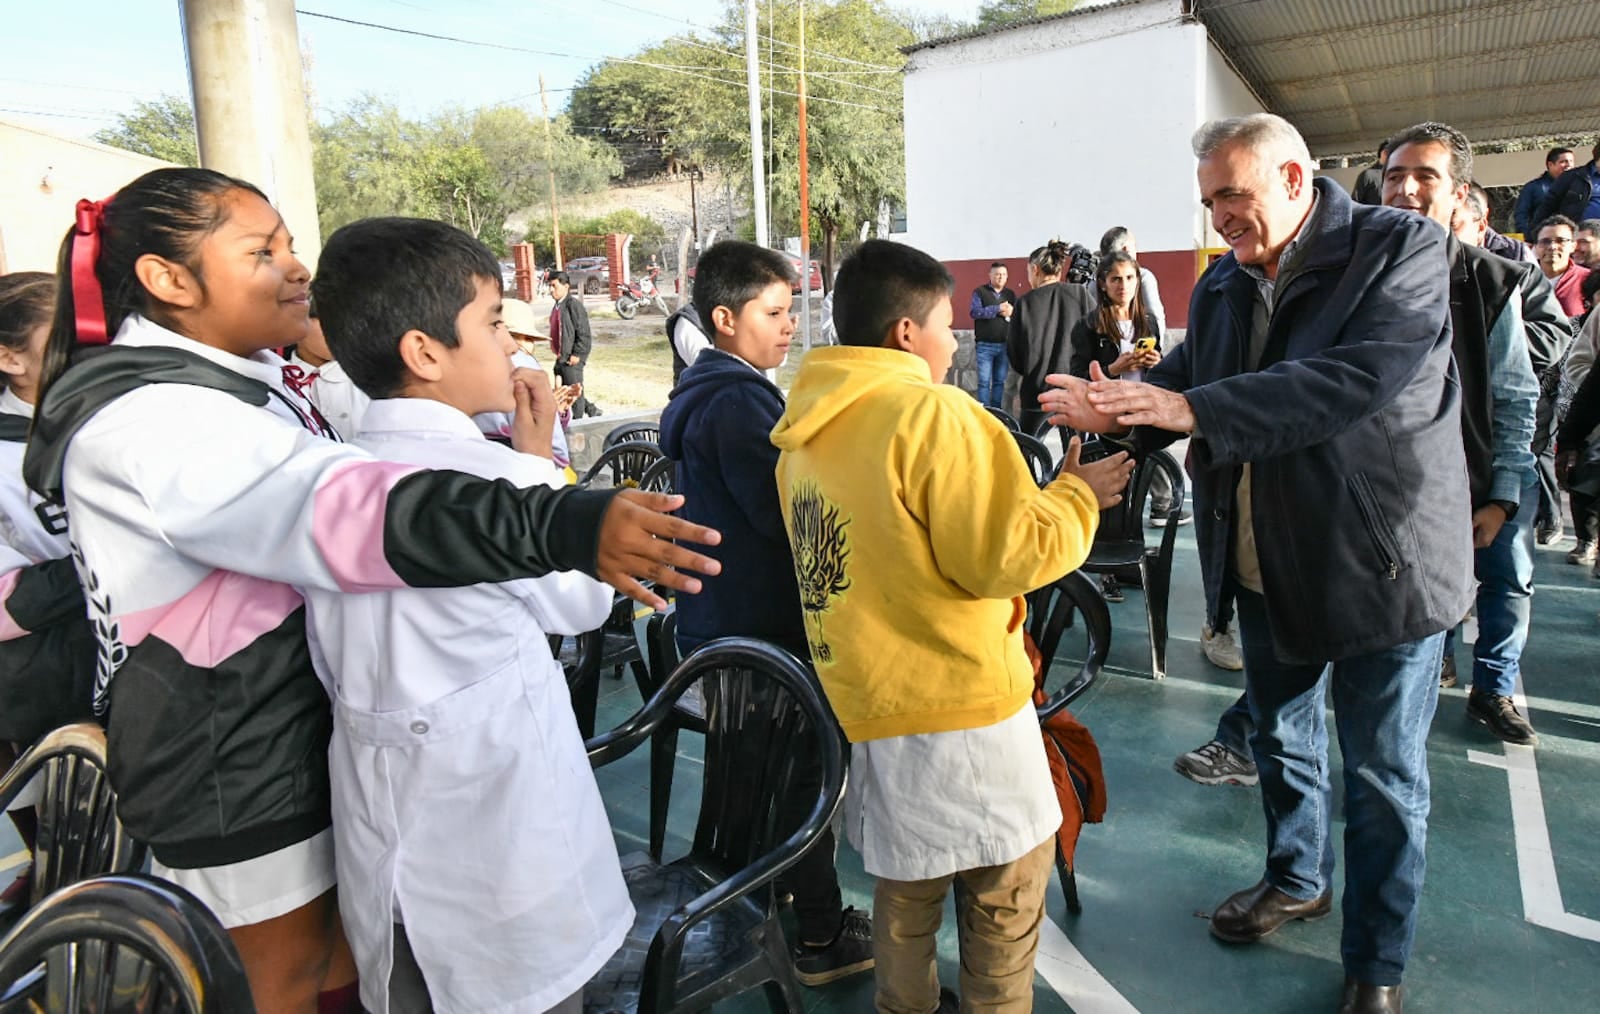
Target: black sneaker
{"type": "Point", "coordinates": [850, 952]}
{"type": "Point", "coordinates": [1499, 713]}
{"type": "Point", "coordinates": [1110, 590]}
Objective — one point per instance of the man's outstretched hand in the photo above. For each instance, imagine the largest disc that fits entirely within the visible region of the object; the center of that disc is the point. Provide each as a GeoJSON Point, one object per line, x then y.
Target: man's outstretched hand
{"type": "Point", "coordinates": [636, 545]}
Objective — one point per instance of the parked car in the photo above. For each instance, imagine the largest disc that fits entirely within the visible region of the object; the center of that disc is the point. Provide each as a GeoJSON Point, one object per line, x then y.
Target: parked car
{"type": "Point", "coordinates": [816, 272]}
{"type": "Point", "coordinates": [794, 266]}
{"type": "Point", "coordinates": [589, 275]}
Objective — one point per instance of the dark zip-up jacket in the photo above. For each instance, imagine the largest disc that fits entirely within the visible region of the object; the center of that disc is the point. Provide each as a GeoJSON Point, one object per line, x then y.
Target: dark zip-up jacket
{"type": "Point", "coordinates": [1090, 344]}
{"type": "Point", "coordinates": [1041, 334]}
{"type": "Point", "coordinates": [575, 336]}
{"type": "Point", "coordinates": [1352, 429]}
{"type": "Point", "coordinates": [1569, 195]}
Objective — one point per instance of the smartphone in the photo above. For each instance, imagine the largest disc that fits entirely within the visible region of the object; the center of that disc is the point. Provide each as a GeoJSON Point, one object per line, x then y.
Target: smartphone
{"type": "Point", "coordinates": [1145, 345]}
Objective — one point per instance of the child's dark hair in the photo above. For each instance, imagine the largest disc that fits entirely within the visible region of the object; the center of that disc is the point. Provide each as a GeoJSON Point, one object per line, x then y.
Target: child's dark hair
{"type": "Point", "coordinates": [732, 273]}
{"type": "Point", "coordinates": [881, 283]}
{"type": "Point", "coordinates": [381, 277]}
{"type": "Point", "coordinates": [165, 212]}
{"type": "Point", "coordinates": [27, 300]}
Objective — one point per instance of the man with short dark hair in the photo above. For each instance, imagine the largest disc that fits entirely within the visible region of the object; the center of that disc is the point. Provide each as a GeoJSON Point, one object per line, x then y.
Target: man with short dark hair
{"type": "Point", "coordinates": [1428, 173]}
{"type": "Point", "coordinates": [1330, 493]}
{"type": "Point", "coordinates": [1586, 244]}
{"type": "Point", "coordinates": [1369, 185]}
{"type": "Point", "coordinates": [1576, 194]}
{"type": "Point", "coordinates": [1557, 237]}
{"type": "Point", "coordinates": [991, 309]}
{"type": "Point", "coordinates": [570, 339]}
{"type": "Point", "coordinates": [1558, 161]}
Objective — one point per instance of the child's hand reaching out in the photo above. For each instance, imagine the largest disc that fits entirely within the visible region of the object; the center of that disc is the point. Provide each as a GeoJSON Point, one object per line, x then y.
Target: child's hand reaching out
{"type": "Point", "coordinates": [1108, 477]}
{"type": "Point", "coordinates": [533, 422]}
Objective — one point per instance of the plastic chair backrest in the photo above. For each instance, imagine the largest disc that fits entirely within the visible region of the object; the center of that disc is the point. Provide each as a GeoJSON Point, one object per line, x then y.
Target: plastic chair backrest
{"type": "Point", "coordinates": [1005, 417]}
{"type": "Point", "coordinates": [79, 834]}
{"type": "Point", "coordinates": [1124, 522]}
{"type": "Point", "coordinates": [647, 431]}
{"type": "Point", "coordinates": [122, 943]}
{"type": "Point", "coordinates": [1069, 601]}
{"type": "Point", "coordinates": [764, 710]}
{"type": "Point", "coordinates": [623, 464]}
{"type": "Point", "coordinates": [660, 477]}
{"type": "Point", "coordinates": [1038, 458]}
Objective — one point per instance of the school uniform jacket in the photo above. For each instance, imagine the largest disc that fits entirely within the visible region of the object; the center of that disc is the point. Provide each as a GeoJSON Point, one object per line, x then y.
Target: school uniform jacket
{"type": "Point", "coordinates": [452, 723]}
{"type": "Point", "coordinates": [46, 647]}
{"type": "Point", "coordinates": [199, 501]}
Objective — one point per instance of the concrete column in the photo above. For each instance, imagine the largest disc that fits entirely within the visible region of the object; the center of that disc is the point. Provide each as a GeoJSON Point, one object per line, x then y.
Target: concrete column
{"type": "Point", "coordinates": [250, 104]}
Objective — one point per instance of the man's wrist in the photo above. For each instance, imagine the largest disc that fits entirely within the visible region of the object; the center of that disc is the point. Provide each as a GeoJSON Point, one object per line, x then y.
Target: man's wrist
{"type": "Point", "coordinates": [1508, 506]}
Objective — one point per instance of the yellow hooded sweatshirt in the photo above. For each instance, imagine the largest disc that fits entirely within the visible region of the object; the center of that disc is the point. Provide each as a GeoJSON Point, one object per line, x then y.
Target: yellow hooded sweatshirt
{"type": "Point", "coordinates": [916, 529]}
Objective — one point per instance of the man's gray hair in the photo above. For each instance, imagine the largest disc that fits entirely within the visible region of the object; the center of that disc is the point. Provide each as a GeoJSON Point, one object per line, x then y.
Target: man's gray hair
{"type": "Point", "coordinates": [1266, 134]}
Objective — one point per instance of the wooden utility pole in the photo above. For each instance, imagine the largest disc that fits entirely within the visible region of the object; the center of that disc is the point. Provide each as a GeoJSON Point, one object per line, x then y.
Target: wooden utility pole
{"type": "Point", "coordinates": [550, 164]}
{"type": "Point", "coordinates": [805, 199]}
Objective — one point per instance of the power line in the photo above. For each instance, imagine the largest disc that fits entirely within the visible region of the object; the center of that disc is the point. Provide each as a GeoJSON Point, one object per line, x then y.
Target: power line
{"type": "Point", "coordinates": [885, 68]}
{"type": "Point", "coordinates": [670, 68]}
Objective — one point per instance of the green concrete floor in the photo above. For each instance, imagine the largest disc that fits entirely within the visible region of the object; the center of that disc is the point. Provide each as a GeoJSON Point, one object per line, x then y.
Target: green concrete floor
{"type": "Point", "coordinates": [1169, 850]}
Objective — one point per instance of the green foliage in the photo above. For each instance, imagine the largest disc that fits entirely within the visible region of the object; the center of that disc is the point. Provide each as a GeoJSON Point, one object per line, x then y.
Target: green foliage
{"type": "Point", "coordinates": [162, 129]}
{"type": "Point", "coordinates": [692, 105]}
{"type": "Point", "coordinates": [996, 13]}
{"type": "Point", "coordinates": [584, 237]}
{"type": "Point", "coordinates": [471, 168]}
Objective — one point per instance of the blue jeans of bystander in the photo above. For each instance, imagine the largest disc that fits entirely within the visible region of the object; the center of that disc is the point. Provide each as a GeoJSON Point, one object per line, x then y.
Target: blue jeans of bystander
{"type": "Point", "coordinates": [991, 373]}
{"type": "Point", "coordinates": [1505, 600]}
{"type": "Point", "coordinates": [1383, 706]}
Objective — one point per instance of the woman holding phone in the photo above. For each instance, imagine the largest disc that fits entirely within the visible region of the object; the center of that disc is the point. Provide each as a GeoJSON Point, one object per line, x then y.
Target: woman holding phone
{"type": "Point", "coordinates": [1122, 337]}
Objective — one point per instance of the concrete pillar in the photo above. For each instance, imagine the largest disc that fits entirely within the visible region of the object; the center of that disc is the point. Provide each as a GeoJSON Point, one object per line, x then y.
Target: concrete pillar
{"type": "Point", "coordinates": [250, 104]}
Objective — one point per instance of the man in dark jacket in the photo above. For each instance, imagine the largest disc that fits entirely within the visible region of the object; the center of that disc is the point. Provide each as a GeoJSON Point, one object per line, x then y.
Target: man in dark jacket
{"type": "Point", "coordinates": [1429, 169]}
{"type": "Point", "coordinates": [1558, 161]}
{"type": "Point", "coordinates": [991, 325]}
{"type": "Point", "coordinates": [1369, 185]}
{"type": "Point", "coordinates": [570, 339]}
{"type": "Point", "coordinates": [1330, 493]}
{"type": "Point", "coordinates": [1576, 194]}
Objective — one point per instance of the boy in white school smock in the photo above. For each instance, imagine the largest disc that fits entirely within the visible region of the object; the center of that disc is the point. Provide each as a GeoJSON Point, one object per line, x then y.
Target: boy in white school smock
{"type": "Point", "coordinates": [477, 868]}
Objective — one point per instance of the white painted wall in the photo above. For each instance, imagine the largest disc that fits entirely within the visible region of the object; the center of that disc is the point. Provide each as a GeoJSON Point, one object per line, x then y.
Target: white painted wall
{"type": "Point", "coordinates": [1060, 129]}
{"type": "Point", "coordinates": [1226, 93]}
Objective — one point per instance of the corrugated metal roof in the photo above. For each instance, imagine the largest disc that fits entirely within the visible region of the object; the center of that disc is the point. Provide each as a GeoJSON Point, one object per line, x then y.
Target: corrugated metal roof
{"type": "Point", "coordinates": [1349, 72]}
{"type": "Point", "coordinates": [979, 33]}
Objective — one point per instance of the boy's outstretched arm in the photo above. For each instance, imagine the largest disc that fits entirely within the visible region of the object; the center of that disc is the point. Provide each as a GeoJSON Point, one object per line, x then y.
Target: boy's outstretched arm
{"type": "Point", "coordinates": [636, 544]}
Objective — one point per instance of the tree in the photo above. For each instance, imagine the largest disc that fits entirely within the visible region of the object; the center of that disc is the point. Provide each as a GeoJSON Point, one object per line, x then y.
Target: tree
{"type": "Point", "coordinates": [997, 13]}
{"type": "Point", "coordinates": [688, 98]}
{"type": "Point", "coordinates": [162, 129]}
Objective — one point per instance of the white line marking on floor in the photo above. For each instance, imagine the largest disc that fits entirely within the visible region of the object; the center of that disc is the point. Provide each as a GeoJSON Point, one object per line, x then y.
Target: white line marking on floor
{"type": "Point", "coordinates": [1076, 981]}
{"type": "Point", "coordinates": [1536, 863]}
{"type": "Point", "coordinates": [14, 860]}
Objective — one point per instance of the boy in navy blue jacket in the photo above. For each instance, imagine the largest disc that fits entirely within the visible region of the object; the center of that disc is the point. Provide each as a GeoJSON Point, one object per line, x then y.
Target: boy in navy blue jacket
{"type": "Point", "coordinates": [716, 427]}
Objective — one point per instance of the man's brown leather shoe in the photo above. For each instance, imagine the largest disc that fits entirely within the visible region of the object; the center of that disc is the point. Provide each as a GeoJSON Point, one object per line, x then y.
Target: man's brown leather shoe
{"type": "Point", "coordinates": [1256, 911]}
{"type": "Point", "coordinates": [1365, 998]}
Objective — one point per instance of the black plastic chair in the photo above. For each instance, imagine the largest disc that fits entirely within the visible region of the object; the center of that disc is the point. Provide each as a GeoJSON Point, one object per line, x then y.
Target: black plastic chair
{"type": "Point", "coordinates": [1040, 463]}
{"type": "Point", "coordinates": [648, 432]}
{"type": "Point", "coordinates": [660, 477]}
{"type": "Point", "coordinates": [1120, 548]}
{"type": "Point", "coordinates": [612, 645]}
{"type": "Point", "coordinates": [622, 464]}
{"type": "Point", "coordinates": [707, 925]}
{"type": "Point", "coordinates": [79, 834]}
{"type": "Point", "coordinates": [122, 944]}
{"type": "Point", "coordinates": [1073, 602]}
{"type": "Point", "coordinates": [1005, 417]}
{"type": "Point", "coordinates": [689, 714]}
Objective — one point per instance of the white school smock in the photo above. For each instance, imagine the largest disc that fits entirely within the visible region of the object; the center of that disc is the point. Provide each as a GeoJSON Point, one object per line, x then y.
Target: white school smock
{"type": "Point", "coordinates": [464, 804]}
{"type": "Point", "coordinates": [336, 396]}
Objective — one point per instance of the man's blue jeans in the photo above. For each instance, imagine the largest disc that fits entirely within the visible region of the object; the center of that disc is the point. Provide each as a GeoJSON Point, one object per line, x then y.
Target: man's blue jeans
{"type": "Point", "coordinates": [1383, 704]}
{"type": "Point", "coordinates": [991, 373]}
{"type": "Point", "coordinates": [1504, 570]}
{"type": "Point", "coordinates": [1235, 726]}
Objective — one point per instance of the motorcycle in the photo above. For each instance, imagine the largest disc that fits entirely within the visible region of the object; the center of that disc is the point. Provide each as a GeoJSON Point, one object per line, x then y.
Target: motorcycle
{"type": "Point", "coordinates": [642, 290]}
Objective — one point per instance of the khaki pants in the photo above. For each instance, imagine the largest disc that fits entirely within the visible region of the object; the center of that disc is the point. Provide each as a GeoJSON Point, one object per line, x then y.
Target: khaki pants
{"type": "Point", "coordinates": [998, 909]}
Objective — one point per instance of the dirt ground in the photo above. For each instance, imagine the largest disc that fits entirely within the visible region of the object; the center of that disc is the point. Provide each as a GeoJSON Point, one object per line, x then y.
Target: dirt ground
{"type": "Point", "coordinates": [630, 368]}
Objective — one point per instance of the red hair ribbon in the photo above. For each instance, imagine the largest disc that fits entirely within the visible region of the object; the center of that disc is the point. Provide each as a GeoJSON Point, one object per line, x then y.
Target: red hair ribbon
{"type": "Point", "coordinates": [87, 298]}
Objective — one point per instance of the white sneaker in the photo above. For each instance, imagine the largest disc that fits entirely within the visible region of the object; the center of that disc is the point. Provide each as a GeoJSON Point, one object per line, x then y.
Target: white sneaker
{"type": "Point", "coordinates": [1221, 649]}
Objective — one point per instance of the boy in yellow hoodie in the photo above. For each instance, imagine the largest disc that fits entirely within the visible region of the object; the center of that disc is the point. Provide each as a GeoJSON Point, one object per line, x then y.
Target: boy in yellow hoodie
{"type": "Point", "coordinates": [916, 529]}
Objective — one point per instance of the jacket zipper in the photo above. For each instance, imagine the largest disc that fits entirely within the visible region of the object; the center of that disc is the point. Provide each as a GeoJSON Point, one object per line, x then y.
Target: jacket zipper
{"type": "Point", "coordinates": [1377, 526]}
